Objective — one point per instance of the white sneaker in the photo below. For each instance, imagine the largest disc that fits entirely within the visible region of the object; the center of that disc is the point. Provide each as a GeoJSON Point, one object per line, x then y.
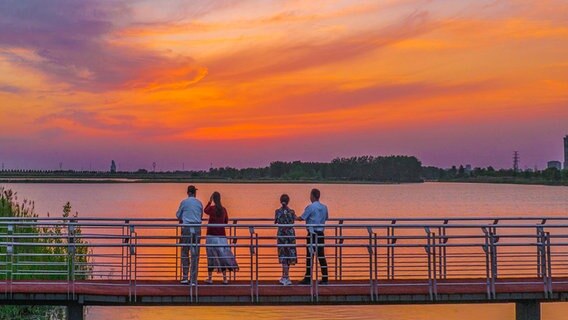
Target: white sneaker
{"type": "Point", "coordinates": [184, 281]}
{"type": "Point", "coordinates": [287, 282]}
{"type": "Point", "coordinates": [209, 281]}
{"type": "Point", "coordinates": [282, 280]}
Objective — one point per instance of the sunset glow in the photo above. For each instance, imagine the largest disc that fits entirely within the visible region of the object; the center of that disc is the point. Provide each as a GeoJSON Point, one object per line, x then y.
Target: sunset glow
{"type": "Point", "coordinates": [243, 83]}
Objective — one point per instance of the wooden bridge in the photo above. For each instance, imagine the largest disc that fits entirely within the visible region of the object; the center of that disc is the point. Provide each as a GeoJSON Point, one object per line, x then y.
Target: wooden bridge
{"type": "Point", "coordinates": [81, 262]}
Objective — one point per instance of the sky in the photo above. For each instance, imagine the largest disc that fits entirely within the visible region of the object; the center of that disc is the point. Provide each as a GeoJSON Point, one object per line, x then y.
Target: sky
{"type": "Point", "coordinates": [190, 84]}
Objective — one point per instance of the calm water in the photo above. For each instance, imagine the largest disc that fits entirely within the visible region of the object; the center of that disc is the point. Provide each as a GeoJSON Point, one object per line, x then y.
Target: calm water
{"type": "Point", "coordinates": [260, 200]}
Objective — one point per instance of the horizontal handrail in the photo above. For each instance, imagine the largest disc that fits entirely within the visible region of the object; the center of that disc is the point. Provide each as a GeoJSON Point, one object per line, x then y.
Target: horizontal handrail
{"type": "Point", "coordinates": [125, 251]}
{"type": "Point", "coordinates": [346, 219]}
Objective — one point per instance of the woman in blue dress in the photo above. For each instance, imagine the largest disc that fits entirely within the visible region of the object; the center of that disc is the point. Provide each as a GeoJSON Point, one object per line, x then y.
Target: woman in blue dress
{"type": "Point", "coordinates": [286, 238]}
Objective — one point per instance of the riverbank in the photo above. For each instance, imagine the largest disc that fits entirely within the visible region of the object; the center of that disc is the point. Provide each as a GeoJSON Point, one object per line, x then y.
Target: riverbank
{"type": "Point", "coordinates": [91, 180]}
{"type": "Point", "coordinates": [506, 180]}
{"type": "Point", "coordinates": [188, 180]}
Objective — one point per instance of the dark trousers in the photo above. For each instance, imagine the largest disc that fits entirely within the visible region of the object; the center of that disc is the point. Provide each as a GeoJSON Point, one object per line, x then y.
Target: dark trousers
{"type": "Point", "coordinates": [190, 246]}
{"type": "Point", "coordinates": [316, 238]}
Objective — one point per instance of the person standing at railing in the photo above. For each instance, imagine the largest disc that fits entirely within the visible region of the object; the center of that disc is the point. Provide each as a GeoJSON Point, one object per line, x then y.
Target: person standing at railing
{"type": "Point", "coordinates": [219, 254]}
{"type": "Point", "coordinates": [286, 238]}
{"type": "Point", "coordinates": [190, 212]}
{"type": "Point", "coordinates": [315, 214]}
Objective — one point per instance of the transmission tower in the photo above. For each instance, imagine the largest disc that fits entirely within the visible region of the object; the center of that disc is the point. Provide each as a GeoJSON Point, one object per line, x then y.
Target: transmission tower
{"type": "Point", "coordinates": [516, 160]}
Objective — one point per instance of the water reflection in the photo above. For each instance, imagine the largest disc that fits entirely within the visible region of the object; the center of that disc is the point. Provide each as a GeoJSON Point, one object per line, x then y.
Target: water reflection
{"type": "Point", "coordinates": [260, 200]}
{"type": "Point", "coordinates": [413, 312]}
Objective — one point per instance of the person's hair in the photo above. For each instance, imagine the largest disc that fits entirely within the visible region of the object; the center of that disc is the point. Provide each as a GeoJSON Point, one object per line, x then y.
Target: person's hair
{"type": "Point", "coordinates": [316, 194]}
{"type": "Point", "coordinates": [284, 200]}
{"type": "Point", "coordinates": [217, 202]}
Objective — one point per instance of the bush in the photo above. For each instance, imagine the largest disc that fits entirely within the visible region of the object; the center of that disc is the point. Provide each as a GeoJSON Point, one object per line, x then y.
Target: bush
{"type": "Point", "coordinates": [51, 258]}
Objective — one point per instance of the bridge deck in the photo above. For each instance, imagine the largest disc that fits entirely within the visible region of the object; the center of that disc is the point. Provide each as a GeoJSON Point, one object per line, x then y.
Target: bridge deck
{"type": "Point", "coordinates": [156, 292]}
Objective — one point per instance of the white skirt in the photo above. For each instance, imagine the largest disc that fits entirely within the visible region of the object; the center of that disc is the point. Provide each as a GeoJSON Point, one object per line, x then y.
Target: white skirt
{"type": "Point", "coordinates": [219, 254]}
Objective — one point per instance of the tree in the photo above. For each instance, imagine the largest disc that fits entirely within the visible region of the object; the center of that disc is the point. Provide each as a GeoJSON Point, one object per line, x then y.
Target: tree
{"type": "Point", "coordinates": [461, 172]}
{"type": "Point", "coordinates": [552, 174]}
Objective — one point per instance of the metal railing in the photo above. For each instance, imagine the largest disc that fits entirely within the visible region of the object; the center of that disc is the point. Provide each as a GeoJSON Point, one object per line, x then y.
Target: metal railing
{"type": "Point", "coordinates": [368, 253]}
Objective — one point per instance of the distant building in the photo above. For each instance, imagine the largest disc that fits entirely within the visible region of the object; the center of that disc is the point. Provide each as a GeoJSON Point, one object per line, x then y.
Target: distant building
{"type": "Point", "coordinates": [554, 164]}
{"type": "Point", "coordinates": [112, 167]}
{"type": "Point", "coordinates": [566, 152]}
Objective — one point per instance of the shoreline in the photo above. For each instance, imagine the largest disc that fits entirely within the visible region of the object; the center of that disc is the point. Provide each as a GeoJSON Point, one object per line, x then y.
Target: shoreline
{"type": "Point", "coordinates": [106, 180]}
{"type": "Point", "coordinates": [506, 181]}
{"type": "Point", "coordinates": [232, 181]}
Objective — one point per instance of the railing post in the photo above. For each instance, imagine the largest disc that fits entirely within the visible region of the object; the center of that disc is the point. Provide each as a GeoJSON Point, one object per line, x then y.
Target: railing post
{"type": "Point", "coordinates": [131, 264]}
{"type": "Point", "coordinates": [340, 242]}
{"type": "Point", "coordinates": [253, 265]}
{"type": "Point", "coordinates": [548, 264]}
{"type": "Point", "coordinates": [442, 252]}
{"type": "Point", "coordinates": [10, 251]}
{"type": "Point", "coordinates": [539, 252]}
{"type": "Point", "coordinates": [391, 241]}
{"type": "Point", "coordinates": [316, 266]}
{"type": "Point", "coordinates": [487, 250]}
{"type": "Point", "coordinates": [490, 249]}
{"type": "Point", "coordinates": [336, 252]}
{"type": "Point", "coordinates": [371, 251]}
{"type": "Point", "coordinates": [71, 250]}
{"type": "Point", "coordinates": [544, 267]}
{"type": "Point", "coordinates": [125, 229]}
{"type": "Point", "coordinates": [179, 266]}
{"type": "Point", "coordinates": [233, 233]}
{"type": "Point", "coordinates": [431, 253]}
{"type": "Point", "coordinates": [133, 252]}
{"type": "Point", "coordinates": [434, 267]}
{"type": "Point", "coordinates": [541, 258]}
{"type": "Point", "coordinates": [493, 241]}
{"type": "Point", "coordinates": [376, 276]}
{"type": "Point", "coordinates": [257, 268]}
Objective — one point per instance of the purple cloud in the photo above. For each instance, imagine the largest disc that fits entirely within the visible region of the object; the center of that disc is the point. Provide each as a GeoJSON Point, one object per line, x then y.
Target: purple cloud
{"type": "Point", "coordinates": [10, 89]}
{"type": "Point", "coordinates": [70, 40]}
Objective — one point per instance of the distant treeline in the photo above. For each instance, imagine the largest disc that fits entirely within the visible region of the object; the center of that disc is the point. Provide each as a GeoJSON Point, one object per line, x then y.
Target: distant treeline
{"type": "Point", "coordinates": [381, 169]}
{"type": "Point", "coordinates": [366, 168]}
{"type": "Point", "coordinates": [490, 174]}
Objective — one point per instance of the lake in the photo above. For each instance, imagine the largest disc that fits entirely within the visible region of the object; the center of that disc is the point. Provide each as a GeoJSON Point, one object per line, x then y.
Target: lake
{"type": "Point", "coordinates": [343, 200]}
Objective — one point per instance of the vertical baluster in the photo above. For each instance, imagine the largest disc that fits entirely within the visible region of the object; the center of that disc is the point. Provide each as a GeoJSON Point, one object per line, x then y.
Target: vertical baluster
{"type": "Point", "coordinates": [428, 250]}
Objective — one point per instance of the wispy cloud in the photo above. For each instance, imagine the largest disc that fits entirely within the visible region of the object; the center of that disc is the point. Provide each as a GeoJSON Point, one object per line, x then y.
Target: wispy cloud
{"type": "Point", "coordinates": [259, 62]}
{"type": "Point", "coordinates": [98, 123]}
{"type": "Point", "coordinates": [244, 75]}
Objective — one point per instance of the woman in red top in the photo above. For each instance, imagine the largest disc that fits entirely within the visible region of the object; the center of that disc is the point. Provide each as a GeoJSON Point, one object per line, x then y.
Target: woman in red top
{"type": "Point", "coordinates": [219, 254]}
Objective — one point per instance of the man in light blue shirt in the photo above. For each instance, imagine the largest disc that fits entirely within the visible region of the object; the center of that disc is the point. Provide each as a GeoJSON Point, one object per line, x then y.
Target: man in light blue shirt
{"type": "Point", "coordinates": [315, 215]}
{"type": "Point", "coordinates": [190, 212]}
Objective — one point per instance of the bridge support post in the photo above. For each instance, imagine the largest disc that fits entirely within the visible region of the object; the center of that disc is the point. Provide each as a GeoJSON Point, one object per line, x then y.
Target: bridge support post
{"type": "Point", "coordinates": [75, 311]}
{"type": "Point", "coordinates": [527, 310]}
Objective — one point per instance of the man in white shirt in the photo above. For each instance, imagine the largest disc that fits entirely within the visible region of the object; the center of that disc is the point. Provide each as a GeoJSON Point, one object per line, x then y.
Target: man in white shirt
{"type": "Point", "coordinates": [189, 214]}
{"type": "Point", "coordinates": [315, 214]}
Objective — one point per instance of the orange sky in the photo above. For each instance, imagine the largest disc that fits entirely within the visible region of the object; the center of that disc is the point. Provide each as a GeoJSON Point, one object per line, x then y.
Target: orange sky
{"type": "Point", "coordinates": [242, 83]}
